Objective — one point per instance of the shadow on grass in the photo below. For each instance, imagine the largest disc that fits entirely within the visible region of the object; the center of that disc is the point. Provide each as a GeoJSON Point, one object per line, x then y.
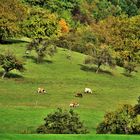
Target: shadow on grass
{"type": "Point", "coordinates": [47, 61]}
{"type": "Point", "coordinates": [30, 58]}
{"type": "Point", "coordinates": [34, 60]}
{"type": "Point", "coordinates": [93, 69]}
{"type": "Point", "coordinates": [127, 75]}
{"type": "Point", "coordinates": [12, 75]}
{"type": "Point", "coordinates": [12, 41]}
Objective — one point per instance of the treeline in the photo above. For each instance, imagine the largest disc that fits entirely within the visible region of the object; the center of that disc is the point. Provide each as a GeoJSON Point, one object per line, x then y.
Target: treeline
{"type": "Point", "coordinates": [106, 30]}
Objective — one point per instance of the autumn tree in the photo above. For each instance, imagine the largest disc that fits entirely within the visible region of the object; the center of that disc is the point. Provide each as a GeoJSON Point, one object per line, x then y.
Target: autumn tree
{"type": "Point", "coordinates": [9, 62]}
{"type": "Point", "coordinates": [122, 33]}
{"type": "Point", "coordinates": [63, 26]}
{"type": "Point", "coordinates": [12, 12]}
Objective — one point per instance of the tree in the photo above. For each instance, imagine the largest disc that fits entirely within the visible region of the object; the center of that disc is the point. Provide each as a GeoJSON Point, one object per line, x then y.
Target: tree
{"type": "Point", "coordinates": [42, 47]}
{"type": "Point", "coordinates": [100, 55]}
{"type": "Point", "coordinates": [137, 107]}
{"type": "Point", "coordinates": [122, 33]}
{"type": "Point", "coordinates": [9, 61]}
{"type": "Point", "coordinates": [121, 121]}
{"type": "Point", "coordinates": [40, 23]}
{"type": "Point", "coordinates": [76, 40]}
{"type": "Point", "coordinates": [12, 12]}
{"type": "Point", "coordinates": [62, 122]}
{"type": "Point", "coordinates": [64, 8]}
{"type": "Point", "coordinates": [63, 26]}
{"type": "Point", "coordinates": [129, 7]}
{"type": "Point", "coordinates": [102, 9]}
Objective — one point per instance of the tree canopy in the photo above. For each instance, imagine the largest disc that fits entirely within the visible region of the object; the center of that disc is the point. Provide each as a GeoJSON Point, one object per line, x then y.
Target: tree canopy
{"type": "Point", "coordinates": [12, 12]}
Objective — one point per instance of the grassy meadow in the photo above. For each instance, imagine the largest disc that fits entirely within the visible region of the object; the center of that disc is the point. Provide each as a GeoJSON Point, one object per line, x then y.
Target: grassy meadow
{"type": "Point", "coordinates": [22, 110]}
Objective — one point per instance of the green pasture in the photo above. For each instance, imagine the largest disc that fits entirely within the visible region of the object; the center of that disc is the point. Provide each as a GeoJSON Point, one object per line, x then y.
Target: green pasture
{"type": "Point", "coordinates": [22, 110]}
{"type": "Point", "coordinates": [68, 137]}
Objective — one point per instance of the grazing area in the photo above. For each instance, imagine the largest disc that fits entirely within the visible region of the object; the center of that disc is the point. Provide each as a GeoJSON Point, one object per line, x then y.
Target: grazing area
{"type": "Point", "coordinates": [23, 109]}
{"type": "Point", "coordinates": [70, 67]}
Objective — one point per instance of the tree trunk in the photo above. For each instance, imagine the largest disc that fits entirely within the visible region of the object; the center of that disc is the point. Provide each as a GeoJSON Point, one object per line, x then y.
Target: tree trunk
{"type": "Point", "coordinates": [98, 68]}
{"type": "Point", "coordinates": [4, 73]}
{"type": "Point", "coordinates": [39, 59]}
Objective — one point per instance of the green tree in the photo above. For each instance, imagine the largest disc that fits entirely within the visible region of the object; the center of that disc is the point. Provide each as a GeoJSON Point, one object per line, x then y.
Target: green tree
{"type": "Point", "coordinates": [129, 7]}
{"type": "Point", "coordinates": [62, 122]}
{"type": "Point", "coordinates": [100, 55]}
{"type": "Point", "coordinates": [9, 61]}
{"type": "Point", "coordinates": [42, 48]}
{"type": "Point", "coordinates": [40, 24]}
{"type": "Point", "coordinates": [101, 9]}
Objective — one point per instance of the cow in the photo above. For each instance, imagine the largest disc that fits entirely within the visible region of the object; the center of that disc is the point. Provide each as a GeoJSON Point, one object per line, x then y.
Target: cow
{"type": "Point", "coordinates": [73, 105]}
{"type": "Point", "coordinates": [41, 90]}
{"type": "Point", "coordinates": [88, 90]}
{"type": "Point", "coordinates": [79, 95]}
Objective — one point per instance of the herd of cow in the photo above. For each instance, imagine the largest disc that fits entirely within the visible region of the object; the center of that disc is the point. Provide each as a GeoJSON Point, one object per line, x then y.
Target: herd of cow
{"type": "Point", "coordinates": [74, 104]}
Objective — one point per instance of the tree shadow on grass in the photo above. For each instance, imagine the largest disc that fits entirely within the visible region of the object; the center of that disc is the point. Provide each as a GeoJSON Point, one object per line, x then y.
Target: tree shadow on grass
{"type": "Point", "coordinates": [127, 74]}
{"type": "Point", "coordinates": [34, 60]}
{"type": "Point", "coordinates": [12, 75]}
{"type": "Point", "coordinates": [47, 61]}
{"type": "Point", "coordinates": [93, 69]}
{"type": "Point", "coordinates": [12, 41]}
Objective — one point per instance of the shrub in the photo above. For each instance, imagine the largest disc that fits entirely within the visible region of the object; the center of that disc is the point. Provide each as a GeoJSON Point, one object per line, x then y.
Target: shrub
{"type": "Point", "coordinates": [122, 121]}
{"type": "Point", "coordinates": [62, 122]}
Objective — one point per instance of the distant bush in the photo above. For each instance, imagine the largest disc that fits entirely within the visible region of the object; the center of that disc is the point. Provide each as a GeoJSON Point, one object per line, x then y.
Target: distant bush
{"type": "Point", "coordinates": [62, 122]}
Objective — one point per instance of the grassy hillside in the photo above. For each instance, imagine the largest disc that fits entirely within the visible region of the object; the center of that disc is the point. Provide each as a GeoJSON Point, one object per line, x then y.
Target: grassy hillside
{"type": "Point", "coordinates": [22, 110]}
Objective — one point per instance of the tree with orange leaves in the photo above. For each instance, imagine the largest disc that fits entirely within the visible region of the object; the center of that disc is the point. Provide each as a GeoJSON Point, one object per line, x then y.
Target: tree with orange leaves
{"type": "Point", "coordinates": [63, 26]}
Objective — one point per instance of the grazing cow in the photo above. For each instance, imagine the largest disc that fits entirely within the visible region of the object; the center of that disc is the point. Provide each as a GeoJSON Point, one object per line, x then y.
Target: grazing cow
{"type": "Point", "coordinates": [41, 90]}
{"type": "Point", "coordinates": [88, 90]}
{"type": "Point", "coordinates": [79, 95]}
{"type": "Point", "coordinates": [73, 105]}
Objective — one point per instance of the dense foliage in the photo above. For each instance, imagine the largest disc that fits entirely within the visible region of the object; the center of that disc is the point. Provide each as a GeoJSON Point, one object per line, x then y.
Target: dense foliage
{"type": "Point", "coordinates": [123, 121]}
{"type": "Point", "coordinates": [62, 122]}
{"type": "Point", "coordinates": [40, 24]}
{"type": "Point", "coordinates": [12, 12]}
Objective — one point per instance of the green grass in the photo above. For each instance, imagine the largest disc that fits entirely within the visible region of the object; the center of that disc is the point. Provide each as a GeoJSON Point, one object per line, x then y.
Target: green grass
{"type": "Point", "coordinates": [22, 110]}
{"type": "Point", "coordinates": [68, 137]}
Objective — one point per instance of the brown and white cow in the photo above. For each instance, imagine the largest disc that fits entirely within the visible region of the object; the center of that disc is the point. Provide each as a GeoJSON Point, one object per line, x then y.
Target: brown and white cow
{"type": "Point", "coordinates": [73, 105]}
{"type": "Point", "coordinates": [41, 90]}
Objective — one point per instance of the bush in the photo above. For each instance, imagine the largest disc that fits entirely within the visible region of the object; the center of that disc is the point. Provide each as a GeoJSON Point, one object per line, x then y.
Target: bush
{"type": "Point", "coordinates": [123, 121]}
{"type": "Point", "coordinates": [137, 107]}
{"type": "Point", "coordinates": [62, 122]}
